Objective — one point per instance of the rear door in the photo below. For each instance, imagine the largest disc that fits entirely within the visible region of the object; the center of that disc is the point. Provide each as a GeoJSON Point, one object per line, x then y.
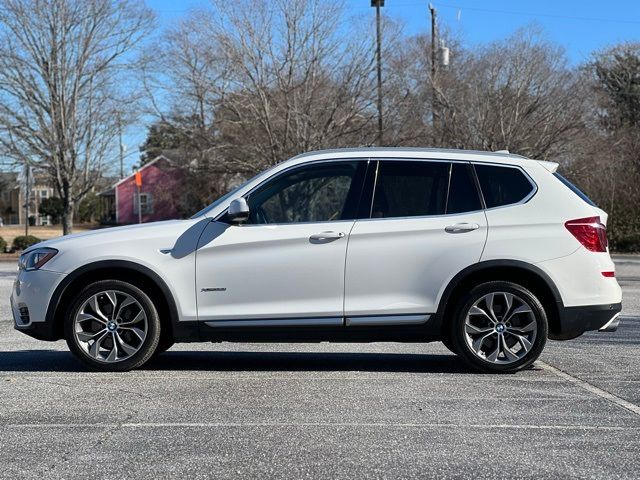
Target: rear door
{"type": "Point", "coordinates": [425, 224]}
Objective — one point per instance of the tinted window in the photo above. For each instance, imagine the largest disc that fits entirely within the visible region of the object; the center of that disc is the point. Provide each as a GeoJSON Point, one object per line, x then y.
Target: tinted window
{"type": "Point", "coordinates": [409, 189]}
{"type": "Point", "coordinates": [463, 194]}
{"type": "Point", "coordinates": [574, 189]}
{"type": "Point", "coordinates": [502, 185]}
{"type": "Point", "coordinates": [309, 194]}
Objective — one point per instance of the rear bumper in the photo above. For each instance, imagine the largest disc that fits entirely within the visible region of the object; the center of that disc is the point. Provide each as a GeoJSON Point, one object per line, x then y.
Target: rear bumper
{"type": "Point", "coordinates": [574, 321]}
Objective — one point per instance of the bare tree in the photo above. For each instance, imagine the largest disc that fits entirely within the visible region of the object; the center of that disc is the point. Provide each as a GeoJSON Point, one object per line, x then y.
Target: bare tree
{"type": "Point", "coordinates": [248, 84]}
{"type": "Point", "coordinates": [64, 87]}
{"type": "Point", "coordinates": [517, 94]}
{"type": "Point", "coordinates": [606, 162]}
{"type": "Point", "coordinates": [299, 78]}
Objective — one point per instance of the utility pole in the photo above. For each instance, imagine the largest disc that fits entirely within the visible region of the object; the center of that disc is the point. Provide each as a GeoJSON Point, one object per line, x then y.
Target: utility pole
{"type": "Point", "coordinates": [121, 146]}
{"type": "Point", "coordinates": [378, 4]}
{"type": "Point", "coordinates": [138, 178]}
{"type": "Point", "coordinates": [27, 195]}
{"type": "Point", "coordinates": [434, 70]}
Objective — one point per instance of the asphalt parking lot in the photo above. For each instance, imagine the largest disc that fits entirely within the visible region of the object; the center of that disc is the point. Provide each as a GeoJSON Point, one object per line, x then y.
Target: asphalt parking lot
{"type": "Point", "coordinates": [325, 410]}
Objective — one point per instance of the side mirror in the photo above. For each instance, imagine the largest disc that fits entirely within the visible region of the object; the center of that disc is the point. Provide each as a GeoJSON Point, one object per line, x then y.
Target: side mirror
{"type": "Point", "coordinates": [238, 210]}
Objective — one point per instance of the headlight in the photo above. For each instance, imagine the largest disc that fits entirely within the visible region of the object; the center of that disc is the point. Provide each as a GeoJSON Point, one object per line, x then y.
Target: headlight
{"type": "Point", "coordinates": [35, 259]}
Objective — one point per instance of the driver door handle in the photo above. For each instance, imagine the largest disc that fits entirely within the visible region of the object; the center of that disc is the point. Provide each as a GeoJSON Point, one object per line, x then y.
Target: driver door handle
{"type": "Point", "coordinates": [461, 227]}
{"type": "Point", "coordinates": [326, 236]}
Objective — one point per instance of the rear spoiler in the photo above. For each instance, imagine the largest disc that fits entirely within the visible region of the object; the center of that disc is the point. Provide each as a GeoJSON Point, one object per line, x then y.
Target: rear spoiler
{"type": "Point", "coordinates": [551, 166]}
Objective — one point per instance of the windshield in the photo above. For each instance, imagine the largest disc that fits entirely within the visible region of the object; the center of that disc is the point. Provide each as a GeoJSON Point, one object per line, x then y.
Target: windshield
{"type": "Point", "coordinates": [225, 196]}
{"type": "Point", "coordinates": [219, 200]}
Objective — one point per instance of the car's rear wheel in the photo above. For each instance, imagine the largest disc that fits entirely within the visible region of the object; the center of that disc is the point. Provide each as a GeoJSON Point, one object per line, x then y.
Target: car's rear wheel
{"type": "Point", "coordinates": [112, 326]}
{"type": "Point", "coordinates": [449, 344]}
{"type": "Point", "coordinates": [499, 327]}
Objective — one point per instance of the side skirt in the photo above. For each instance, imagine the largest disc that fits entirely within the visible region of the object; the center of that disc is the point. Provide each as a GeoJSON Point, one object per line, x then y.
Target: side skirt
{"type": "Point", "coordinates": [404, 328]}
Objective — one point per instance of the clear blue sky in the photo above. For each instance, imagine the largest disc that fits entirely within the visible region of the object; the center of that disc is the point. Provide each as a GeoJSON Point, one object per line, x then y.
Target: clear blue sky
{"type": "Point", "coordinates": [580, 26]}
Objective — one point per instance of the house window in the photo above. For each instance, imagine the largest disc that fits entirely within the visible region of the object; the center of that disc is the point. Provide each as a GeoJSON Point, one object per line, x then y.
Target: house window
{"type": "Point", "coordinates": [146, 204]}
{"type": "Point", "coordinates": [44, 193]}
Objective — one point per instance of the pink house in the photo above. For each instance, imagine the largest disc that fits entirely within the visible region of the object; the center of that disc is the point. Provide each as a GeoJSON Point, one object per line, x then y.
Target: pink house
{"type": "Point", "coordinates": [161, 182]}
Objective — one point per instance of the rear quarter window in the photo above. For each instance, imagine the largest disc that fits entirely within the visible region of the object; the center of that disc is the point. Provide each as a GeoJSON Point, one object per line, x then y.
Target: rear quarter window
{"type": "Point", "coordinates": [503, 185]}
{"type": "Point", "coordinates": [574, 189]}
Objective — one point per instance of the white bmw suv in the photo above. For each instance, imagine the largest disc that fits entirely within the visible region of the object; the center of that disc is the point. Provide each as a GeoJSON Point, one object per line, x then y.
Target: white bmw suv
{"type": "Point", "coordinates": [490, 253]}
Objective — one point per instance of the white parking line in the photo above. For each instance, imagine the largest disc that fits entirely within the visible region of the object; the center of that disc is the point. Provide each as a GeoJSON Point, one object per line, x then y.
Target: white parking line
{"type": "Point", "coordinates": [318, 424]}
{"type": "Point", "coordinates": [621, 402]}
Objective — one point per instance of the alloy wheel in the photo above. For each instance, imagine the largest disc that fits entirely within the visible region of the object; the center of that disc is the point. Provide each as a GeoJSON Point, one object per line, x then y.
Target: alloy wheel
{"type": "Point", "coordinates": [500, 328]}
{"type": "Point", "coordinates": [111, 326]}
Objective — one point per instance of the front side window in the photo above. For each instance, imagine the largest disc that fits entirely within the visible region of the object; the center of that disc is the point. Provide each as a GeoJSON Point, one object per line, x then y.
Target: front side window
{"type": "Point", "coordinates": [503, 185]}
{"type": "Point", "coordinates": [316, 193]}
{"type": "Point", "coordinates": [410, 189]}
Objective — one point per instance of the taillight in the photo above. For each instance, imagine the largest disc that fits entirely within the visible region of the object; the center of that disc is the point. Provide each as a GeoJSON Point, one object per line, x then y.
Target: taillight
{"type": "Point", "coordinates": [609, 274]}
{"type": "Point", "coordinates": [590, 232]}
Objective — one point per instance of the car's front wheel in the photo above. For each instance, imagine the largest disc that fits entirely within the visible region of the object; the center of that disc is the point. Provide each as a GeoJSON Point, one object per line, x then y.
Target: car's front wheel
{"type": "Point", "coordinates": [499, 327]}
{"type": "Point", "coordinates": [112, 325]}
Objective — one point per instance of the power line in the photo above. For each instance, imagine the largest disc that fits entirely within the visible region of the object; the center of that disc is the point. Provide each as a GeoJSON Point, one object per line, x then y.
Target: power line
{"type": "Point", "coordinates": [549, 15]}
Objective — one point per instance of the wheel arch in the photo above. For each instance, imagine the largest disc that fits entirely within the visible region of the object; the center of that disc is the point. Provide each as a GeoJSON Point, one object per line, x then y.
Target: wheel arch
{"type": "Point", "coordinates": [139, 275]}
{"type": "Point", "coordinates": [522, 273]}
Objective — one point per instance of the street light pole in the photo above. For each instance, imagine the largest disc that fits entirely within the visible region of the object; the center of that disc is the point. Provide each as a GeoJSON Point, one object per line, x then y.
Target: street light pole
{"type": "Point", "coordinates": [378, 4]}
{"type": "Point", "coordinates": [434, 71]}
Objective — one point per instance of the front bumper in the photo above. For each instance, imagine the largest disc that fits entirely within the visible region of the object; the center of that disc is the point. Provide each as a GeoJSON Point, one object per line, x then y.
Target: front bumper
{"type": "Point", "coordinates": [574, 321]}
{"type": "Point", "coordinates": [30, 298]}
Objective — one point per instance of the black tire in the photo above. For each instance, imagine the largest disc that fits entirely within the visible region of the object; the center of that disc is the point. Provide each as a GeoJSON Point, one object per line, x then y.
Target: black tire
{"type": "Point", "coordinates": [164, 344]}
{"type": "Point", "coordinates": [466, 351]}
{"type": "Point", "coordinates": [145, 348]}
{"type": "Point", "coordinates": [449, 344]}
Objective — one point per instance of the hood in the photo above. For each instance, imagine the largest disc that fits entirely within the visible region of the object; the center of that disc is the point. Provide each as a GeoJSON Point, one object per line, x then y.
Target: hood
{"type": "Point", "coordinates": [139, 232]}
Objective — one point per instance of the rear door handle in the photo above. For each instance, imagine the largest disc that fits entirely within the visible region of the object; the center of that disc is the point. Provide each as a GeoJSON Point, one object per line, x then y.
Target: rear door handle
{"type": "Point", "coordinates": [461, 227]}
{"type": "Point", "coordinates": [326, 236]}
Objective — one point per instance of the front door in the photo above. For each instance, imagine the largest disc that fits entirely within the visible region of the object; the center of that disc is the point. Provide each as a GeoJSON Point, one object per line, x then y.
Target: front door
{"type": "Point", "coordinates": [285, 266]}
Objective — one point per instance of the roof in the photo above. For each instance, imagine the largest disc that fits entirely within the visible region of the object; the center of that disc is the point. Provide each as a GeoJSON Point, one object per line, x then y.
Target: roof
{"type": "Point", "coordinates": [379, 152]}
{"type": "Point", "coordinates": [501, 157]}
{"type": "Point", "coordinates": [8, 177]}
{"type": "Point", "coordinates": [107, 193]}
{"type": "Point", "coordinates": [148, 164]}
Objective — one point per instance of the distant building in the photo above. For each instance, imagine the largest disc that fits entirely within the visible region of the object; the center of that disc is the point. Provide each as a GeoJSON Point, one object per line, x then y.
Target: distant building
{"type": "Point", "coordinates": [161, 184]}
{"type": "Point", "coordinates": [12, 201]}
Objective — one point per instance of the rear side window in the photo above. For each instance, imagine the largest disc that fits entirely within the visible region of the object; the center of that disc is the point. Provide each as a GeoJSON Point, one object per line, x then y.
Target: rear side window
{"type": "Point", "coordinates": [410, 189]}
{"type": "Point", "coordinates": [463, 194]}
{"type": "Point", "coordinates": [503, 185]}
{"type": "Point", "coordinates": [574, 189]}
